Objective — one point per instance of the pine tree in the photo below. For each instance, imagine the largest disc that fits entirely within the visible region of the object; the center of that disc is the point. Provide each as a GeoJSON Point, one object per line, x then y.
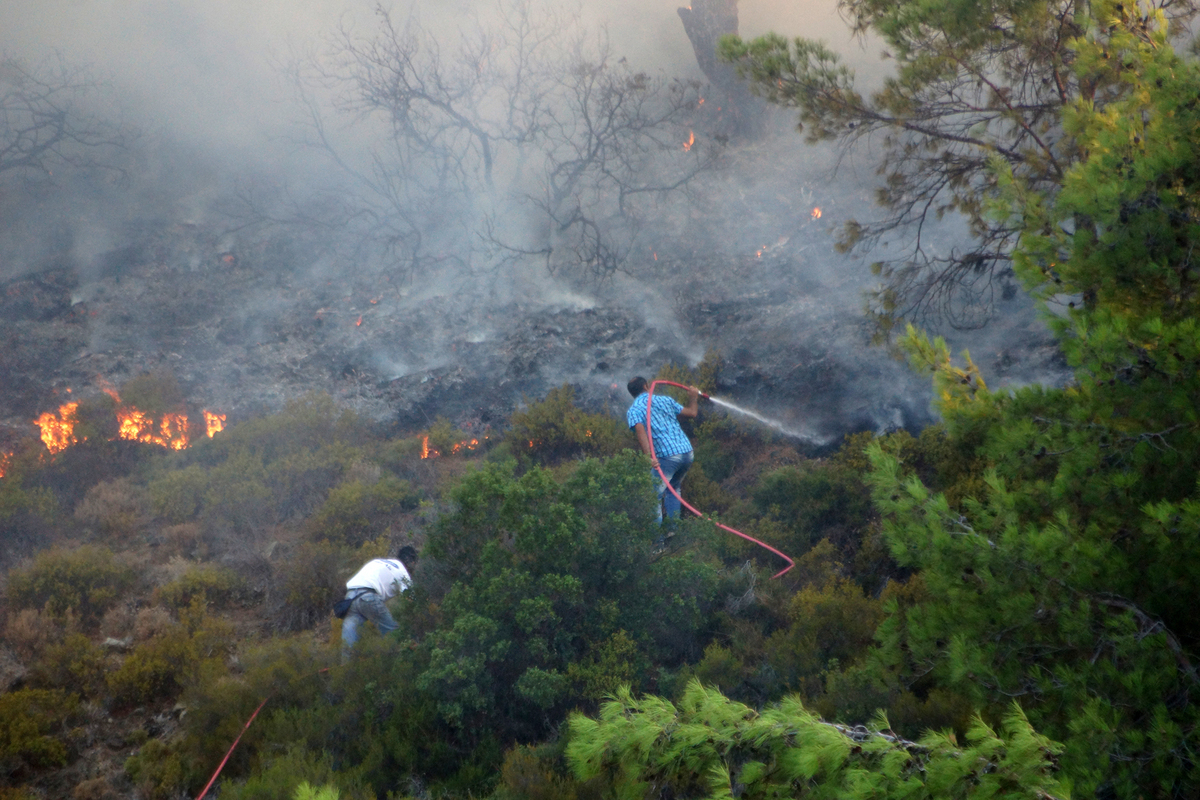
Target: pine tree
{"type": "Point", "coordinates": [1065, 584]}
{"type": "Point", "coordinates": [712, 747]}
{"type": "Point", "coordinates": [973, 82]}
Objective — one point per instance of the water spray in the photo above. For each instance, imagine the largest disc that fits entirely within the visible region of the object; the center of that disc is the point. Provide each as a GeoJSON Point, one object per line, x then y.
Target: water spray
{"type": "Point", "coordinates": [770, 423]}
{"type": "Point", "coordinates": [679, 497]}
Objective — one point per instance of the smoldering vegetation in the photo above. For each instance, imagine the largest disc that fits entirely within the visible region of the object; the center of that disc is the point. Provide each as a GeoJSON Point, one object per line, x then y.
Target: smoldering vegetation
{"type": "Point", "coordinates": [469, 214]}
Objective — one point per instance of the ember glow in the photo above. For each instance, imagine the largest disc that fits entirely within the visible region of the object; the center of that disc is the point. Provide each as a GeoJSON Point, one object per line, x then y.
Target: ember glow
{"type": "Point", "coordinates": [58, 430]}
{"type": "Point", "coordinates": [691, 141]}
{"type": "Point", "coordinates": [4, 459]}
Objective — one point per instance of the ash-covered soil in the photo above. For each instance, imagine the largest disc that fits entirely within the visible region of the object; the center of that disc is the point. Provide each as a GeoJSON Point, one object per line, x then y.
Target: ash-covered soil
{"type": "Point", "coordinates": [746, 267]}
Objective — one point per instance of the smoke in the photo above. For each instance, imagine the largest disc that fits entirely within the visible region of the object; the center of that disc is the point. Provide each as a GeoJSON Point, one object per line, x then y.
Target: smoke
{"type": "Point", "coordinates": [739, 262]}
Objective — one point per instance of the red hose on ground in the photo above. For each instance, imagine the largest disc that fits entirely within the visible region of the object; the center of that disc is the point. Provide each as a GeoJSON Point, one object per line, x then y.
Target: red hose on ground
{"type": "Point", "coordinates": [685, 503]}
{"type": "Point", "coordinates": [229, 752]}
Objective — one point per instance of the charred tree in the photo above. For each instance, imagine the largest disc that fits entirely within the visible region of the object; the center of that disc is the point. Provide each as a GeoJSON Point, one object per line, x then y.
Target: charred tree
{"type": "Point", "coordinates": [737, 112]}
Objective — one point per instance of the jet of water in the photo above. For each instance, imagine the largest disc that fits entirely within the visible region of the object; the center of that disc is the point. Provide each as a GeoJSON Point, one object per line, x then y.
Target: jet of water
{"type": "Point", "coordinates": [776, 424]}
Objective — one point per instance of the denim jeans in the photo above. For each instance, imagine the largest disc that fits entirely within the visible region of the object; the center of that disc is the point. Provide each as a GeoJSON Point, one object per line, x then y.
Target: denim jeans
{"type": "Point", "coordinates": [368, 606]}
{"type": "Point", "coordinates": [674, 467]}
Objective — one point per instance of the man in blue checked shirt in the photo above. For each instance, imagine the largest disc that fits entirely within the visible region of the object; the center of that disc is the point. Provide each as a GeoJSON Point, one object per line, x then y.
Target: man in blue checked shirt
{"type": "Point", "coordinates": [672, 450]}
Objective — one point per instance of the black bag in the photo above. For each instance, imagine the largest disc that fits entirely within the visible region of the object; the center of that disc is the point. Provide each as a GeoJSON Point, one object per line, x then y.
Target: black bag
{"type": "Point", "coordinates": [342, 607]}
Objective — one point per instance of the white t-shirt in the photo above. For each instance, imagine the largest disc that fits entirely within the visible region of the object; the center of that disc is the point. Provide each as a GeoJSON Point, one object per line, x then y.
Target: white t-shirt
{"type": "Point", "coordinates": [387, 576]}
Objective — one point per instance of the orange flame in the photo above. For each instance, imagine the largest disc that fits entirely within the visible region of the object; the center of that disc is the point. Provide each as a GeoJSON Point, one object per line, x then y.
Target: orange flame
{"type": "Point", "coordinates": [133, 425]}
{"type": "Point", "coordinates": [137, 426]}
{"type": "Point", "coordinates": [816, 213]}
{"type": "Point", "coordinates": [4, 459]}
{"type": "Point", "coordinates": [58, 432]}
{"type": "Point", "coordinates": [457, 447]}
{"type": "Point", "coordinates": [213, 423]}
{"type": "Point", "coordinates": [691, 141]}
{"type": "Point", "coordinates": [359, 323]}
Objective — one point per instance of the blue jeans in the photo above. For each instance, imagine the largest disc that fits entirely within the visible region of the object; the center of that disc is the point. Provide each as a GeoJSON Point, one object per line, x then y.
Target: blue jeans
{"type": "Point", "coordinates": [368, 606]}
{"type": "Point", "coordinates": [674, 467]}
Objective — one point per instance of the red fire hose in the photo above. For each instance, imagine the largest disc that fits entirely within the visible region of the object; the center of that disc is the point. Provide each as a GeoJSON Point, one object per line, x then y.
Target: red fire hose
{"type": "Point", "coordinates": [679, 497]}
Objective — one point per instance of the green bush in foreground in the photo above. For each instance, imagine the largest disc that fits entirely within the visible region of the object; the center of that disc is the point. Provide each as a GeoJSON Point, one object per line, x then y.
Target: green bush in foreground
{"type": "Point", "coordinates": [709, 746]}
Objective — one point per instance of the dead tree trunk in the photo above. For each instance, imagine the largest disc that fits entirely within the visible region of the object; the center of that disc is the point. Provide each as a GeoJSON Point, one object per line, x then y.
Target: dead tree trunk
{"type": "Point", "coordinates": [736, 112]}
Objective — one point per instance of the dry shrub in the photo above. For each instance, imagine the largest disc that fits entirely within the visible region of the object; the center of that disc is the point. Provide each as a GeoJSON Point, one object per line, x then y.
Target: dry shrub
{"type": "Point", "coordinates": [28, 633]}
{"type": "Point", "coordinates": [187, 540]}
{"type": "Point", "coordinates": [309, 583]}
{"type": "Point", "coordinates": [151, 622]}
{"type": "Point", "coordinates": [94, 789]}
{"type": "Point", "coordinates": [118, 508]}
{"type": "Point", "coordinates": [117, 622]}
{"type": "Point", "coordinates": [211, 583]}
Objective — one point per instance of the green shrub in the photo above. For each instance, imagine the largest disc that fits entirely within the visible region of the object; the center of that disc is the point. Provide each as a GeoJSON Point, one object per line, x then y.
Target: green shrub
{"type": "Point", "coordinates": [555, 429]}
{"type": "Point", "coordinates": [28, 720]}
{"type": "Point", "coordinates": [176, 496]}
{"type": "Point", "coordinates": [210, 583]}
{"type": "Point", "coordinates": [615, 662]}
{"type": "Point", "coordinates": [85, 581]}
{"type": "Point", "coordinates": [158, 669]}
{"type": "Point", "coordinates": [830, 623]}
{"type": "Point", "coordinates": [76, 664]}
{"type": "Point", "coordinates": [157, 771]}
{"type": "Point", "coordinates": [815, 500]}
{"type": "Point", "coordinates": [310, 582]}
{"type": "Point", "coordinates": [261, 471]}
{"type": "Point", "coordinates": [357, 511]}
{"type": "Point", "coordinates": [540, 773]}
{"type": "Point", "coordinates": [154, 393]}
{"type": "Point", "coordinates": [276, 778]}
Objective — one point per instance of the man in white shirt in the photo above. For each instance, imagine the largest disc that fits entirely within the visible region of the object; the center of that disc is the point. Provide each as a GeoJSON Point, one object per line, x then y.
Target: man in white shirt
{"type": "Point", "coordinates": [378, 581]}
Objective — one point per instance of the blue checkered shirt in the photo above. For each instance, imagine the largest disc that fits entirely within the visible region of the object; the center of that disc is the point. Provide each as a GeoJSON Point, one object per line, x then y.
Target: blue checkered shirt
{"type": "Point", "coordinates": [669, 438]}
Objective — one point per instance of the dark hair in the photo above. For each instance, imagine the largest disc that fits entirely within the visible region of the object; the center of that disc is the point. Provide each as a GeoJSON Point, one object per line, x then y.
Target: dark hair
{"type": "Point", "coordinates": [407, 554]}
{"type": "Point", "coordinates": [637, 386]}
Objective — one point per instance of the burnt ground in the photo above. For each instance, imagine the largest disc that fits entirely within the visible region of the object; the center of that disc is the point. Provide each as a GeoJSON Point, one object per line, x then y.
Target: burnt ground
{"type": "Point", "coordinates": [245, 323]}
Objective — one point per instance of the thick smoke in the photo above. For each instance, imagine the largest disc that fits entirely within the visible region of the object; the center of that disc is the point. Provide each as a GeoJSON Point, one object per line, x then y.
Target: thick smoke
{"type": "Point", "coordinates": [741, 262]}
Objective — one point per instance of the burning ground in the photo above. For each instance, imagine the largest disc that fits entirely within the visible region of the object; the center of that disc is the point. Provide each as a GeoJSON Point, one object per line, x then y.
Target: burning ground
{"type": "Point", "coordinates": [246, 322]}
